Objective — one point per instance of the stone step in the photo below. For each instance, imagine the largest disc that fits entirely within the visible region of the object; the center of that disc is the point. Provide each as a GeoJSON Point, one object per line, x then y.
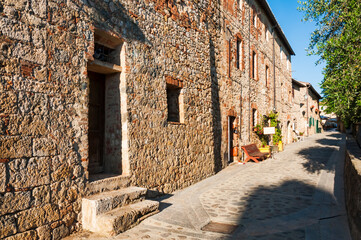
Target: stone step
{"type": "Point", "coordinates": [121, 219]}
{"type": "Point", "coordinates": [104, 202]}
{"type": "Point", "coordinates": [106, 182]}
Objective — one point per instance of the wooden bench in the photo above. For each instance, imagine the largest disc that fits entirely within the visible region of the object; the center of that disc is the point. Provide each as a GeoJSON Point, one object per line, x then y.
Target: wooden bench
{"type": "Point", "coordinates": [253, 153]}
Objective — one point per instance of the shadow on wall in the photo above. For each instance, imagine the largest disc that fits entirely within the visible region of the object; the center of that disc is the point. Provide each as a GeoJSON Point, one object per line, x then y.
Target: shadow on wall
{"type": "Point", "coordinates": [112, 15]}
{"type": "Point", "coordinates": [216, 110]}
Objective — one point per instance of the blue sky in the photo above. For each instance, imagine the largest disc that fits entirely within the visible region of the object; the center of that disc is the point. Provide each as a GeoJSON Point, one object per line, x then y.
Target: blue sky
{"type": "Point", "coordinates": [298, 34]}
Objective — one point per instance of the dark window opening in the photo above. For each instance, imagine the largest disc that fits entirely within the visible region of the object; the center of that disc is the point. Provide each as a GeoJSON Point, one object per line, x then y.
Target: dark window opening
{"type": "Point", "coordinates": [267, 76]}
{"type": "Point", "coordinates": [103, 53]}
{"type": "Point", "coordinates": [173, 94]}
{"type": "Point", "coordinates": [239, 53]}
{"type": "Point", "coordinates": [229, 58]}
{"type": "Point", "coordinates": [254, 117]}
{"type": "Point", "coordinates": [254, 65]}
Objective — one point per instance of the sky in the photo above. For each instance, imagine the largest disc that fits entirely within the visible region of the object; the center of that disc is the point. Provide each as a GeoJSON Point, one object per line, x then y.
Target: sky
{"type": "Point", "coordinates": [298, 35]}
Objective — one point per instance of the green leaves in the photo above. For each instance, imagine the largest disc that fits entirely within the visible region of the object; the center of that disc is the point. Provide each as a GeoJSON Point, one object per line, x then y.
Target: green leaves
{"type": "Point", "coordinates": [337, 40]}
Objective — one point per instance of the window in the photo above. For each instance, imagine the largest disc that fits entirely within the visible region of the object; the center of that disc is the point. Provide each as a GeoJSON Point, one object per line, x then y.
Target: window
{"type": "Point", "coordinates": [254, 18]}
{"type": "Point", "coordinates": [254, 117]}
{"type": "Point", "coordinates": [239, 53]}
{"type": "Point", "coordinates": [240, 4]}
{"type": "Point", "coordinates": [229, 57]}
{"type": "Point", "coordinates": [281, 50]}
{"type": "Point", "coordinates": [288, 62]}
{"type": "Point", "coordinates": [102, 53]}
{"type": "Point", "coordinates": [254, 65]}
{"type": "Point", "coordinates": [267, 76]}
{"type": "Point", "coordinates": [266, 33]}
{"type": "Point", "coordinates": [175, 100]}
{"type": "Point", "coordinates": [173, 94]}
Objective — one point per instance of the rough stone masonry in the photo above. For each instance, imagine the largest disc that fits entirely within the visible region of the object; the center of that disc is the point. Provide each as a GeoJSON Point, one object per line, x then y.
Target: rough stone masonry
{"type": "Point", "coordinates": [159, 92]}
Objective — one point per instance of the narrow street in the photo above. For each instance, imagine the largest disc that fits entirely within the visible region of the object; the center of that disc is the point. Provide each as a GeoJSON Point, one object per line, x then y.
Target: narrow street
{"type": "Point", "coordinates": [296, 195]}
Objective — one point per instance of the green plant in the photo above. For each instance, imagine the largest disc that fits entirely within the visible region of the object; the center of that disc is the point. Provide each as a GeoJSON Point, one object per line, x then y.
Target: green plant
{"type": "Point", "coordinates": [258, 129]}
{"type": "Point", "coordinates": [336, 40]}
{"type": "Point", "coordinates": [274, 122]}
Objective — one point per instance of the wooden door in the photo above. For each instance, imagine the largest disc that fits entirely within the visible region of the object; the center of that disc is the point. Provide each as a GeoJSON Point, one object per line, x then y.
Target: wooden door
{"type": "Point", "coordinates": [96, 121]}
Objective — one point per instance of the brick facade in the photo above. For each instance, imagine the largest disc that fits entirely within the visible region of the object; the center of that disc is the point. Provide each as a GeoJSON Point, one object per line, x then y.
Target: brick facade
{"type": "Point", "coordinates": [48, 51]}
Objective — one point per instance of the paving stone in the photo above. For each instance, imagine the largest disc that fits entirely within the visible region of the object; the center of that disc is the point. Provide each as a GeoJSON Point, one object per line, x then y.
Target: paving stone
{"type": "Point", "coordinates": [274, 199]}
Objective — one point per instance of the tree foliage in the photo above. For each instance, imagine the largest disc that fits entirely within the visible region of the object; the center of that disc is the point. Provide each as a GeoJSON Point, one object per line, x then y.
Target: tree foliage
{"type": "Point", "coordinates": [337, 40]}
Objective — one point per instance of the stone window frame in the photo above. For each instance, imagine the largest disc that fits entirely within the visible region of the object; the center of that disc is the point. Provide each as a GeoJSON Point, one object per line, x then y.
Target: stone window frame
{"type": "Point", "coordinates": [176, 84]}
{"type": "Point", "coordinates": [254, 17]}
{"type": "Point", "coordinates": [254, 66]}
{"type": "Point", "coordinates": [267, 75]}
{"type": "Point", "coordinates": [266, 33]}
{"type": "Point", "coordinates": [240, 5]}
{"type": "Point", "coordinates": [229, 49]}
{"type": "Point", "coordinates": [288, 58]}
{"type": "Point", "coordinates": [240, 58]}
{"type": "Point", "coordinates": [254, 116]}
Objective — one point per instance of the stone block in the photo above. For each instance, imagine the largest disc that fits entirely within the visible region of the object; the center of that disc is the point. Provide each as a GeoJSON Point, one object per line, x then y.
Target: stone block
{"type": "Point", "coordinates": [27, 125]}
{"type": "Point", "coordinates": [60, 232]}
{"type": "Point", "coordinates": [29, 235]}
{"type": "Point", "coordinates": [14, 29]}
{"type": "Point", "coordinates": [39, 7]}
{"type": "Point", "coordinates": [25, 173]}
{"type": "Point", "coordinates": [18, 4]}
{"type": "Point", "coordinates": [31, 54]}
{"type": "Point", "coordinates": [15, 147]}
{"type": "Point", "coordinates": [33, 103]}
{"type": "Point", "coordinates": [13, 202]}
{"type": "Point", "coordinates": [44, 147]}
{"type": "Point", "coordinates": [8, 103]}
{"type": "Point", "coordinates": [2, 177]}
{"type": "Point", "coordinates": [44, 232]}
{"type": "Point", "coordinates": [60, 169]}
{"type": "Point", "coordinates": [7, 226]}
{"type": "Point", "coordinates": [41, 195]}
{"type": "Point", "coordinates": [36, 217]}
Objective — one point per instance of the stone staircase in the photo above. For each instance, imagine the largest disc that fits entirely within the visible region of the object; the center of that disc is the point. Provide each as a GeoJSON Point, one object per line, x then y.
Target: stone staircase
{"type": "Point", "coordinates": [110, 213]}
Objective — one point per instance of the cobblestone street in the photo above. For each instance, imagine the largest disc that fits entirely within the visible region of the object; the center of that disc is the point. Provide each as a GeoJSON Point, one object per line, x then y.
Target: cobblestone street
{"type": "Point", "coordinates": [298, 194]}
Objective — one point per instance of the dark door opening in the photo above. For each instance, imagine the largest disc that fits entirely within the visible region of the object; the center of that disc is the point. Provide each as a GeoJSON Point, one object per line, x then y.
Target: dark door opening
{"type": "Point", "coordinates": [96, 122]}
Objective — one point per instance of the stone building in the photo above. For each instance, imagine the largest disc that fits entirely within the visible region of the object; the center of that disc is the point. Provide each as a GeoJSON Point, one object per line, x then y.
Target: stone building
{"type": "Point", "coordinates": [306, 109]}
{"type": "Point", "coordinates": [102, 95]}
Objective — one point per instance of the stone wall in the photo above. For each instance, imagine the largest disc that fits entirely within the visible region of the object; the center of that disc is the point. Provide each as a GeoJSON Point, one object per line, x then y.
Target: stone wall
{"type": "Point", "coordinates": [352, 186]}
{"type": "Point", "coordinates": [43, 103]}
{"type": "Point", "coordinates": [46, 51]}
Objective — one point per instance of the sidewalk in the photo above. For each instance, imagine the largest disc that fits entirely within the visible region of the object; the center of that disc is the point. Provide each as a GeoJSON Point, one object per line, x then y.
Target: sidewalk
{"type": "Point", "coordinates": [296, 195]}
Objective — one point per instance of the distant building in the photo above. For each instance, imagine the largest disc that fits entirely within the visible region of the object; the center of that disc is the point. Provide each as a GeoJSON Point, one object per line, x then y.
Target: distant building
{"type": "Point", "coordinates": [306, 108]}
